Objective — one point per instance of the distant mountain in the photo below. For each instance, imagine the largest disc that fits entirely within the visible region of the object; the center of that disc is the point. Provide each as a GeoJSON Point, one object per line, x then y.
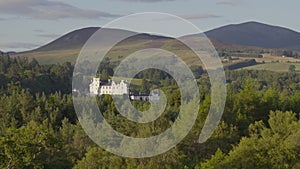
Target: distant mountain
{"type": "Point", "coordinates": [74, 39]}
{"type": "Point", "coordinates": [257, 34]}
{"type": "Point", "coordinates": [11, 53]}
{"type": "Point", "coordinates": [250, 36]}
{"type": "Point", "coordinates": [67, 47]}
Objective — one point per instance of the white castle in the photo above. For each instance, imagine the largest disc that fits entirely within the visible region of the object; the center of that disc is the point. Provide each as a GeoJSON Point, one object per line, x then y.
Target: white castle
{"type": "Point", "coordinates": [98, 87]}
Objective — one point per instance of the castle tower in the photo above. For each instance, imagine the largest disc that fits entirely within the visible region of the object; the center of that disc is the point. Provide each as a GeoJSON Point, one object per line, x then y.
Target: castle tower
{"type": "Point", "coordinates": [94, 86]}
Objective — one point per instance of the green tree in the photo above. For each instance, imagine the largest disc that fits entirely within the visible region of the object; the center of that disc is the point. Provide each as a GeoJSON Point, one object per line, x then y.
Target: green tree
{"type": "Point", "coordinates": [145, 87]}
{"type": "Point", "coordinates": [292, 68]}
{"type": "Point", "coordinates": [213, 162]}
{"type": "Point", "coordinates": [31, 146]}
{"type": "Point", "coordinates": [268, 147]}
{"type": "Point", "coordinates": [97, 158]}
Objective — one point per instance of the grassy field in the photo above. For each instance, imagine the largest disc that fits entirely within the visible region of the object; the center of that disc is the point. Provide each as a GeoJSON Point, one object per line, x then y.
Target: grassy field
{"type": "Point", "coordinates": [267, 58]}
{"type": "Point", "coordinates": [120, 51]}
{"type": "Point", "coordinates": [52, 57]}
{"type": "Point", "coordinates": [117, 53]}
{"type": "Point", "coordinates": [277, 67]}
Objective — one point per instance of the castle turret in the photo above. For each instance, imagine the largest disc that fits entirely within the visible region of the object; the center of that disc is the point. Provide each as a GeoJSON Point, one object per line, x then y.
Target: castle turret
{"type": "Point", "coordinates": [94, 86]}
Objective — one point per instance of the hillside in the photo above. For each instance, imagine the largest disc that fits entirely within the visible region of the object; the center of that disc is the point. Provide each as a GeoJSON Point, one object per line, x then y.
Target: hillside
{"type": "Point", "coordinates": [251, 37]}
{"type": "Point", "coordinates": [257, 34]}
{"type": "Point", "coordinates": [72, 40]}
{"type": "Point", "coordinates": [67, 47]}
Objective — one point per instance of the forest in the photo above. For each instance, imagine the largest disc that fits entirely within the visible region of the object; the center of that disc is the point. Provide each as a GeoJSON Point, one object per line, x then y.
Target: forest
{"type": "Point", "coordinates": [260, 127]}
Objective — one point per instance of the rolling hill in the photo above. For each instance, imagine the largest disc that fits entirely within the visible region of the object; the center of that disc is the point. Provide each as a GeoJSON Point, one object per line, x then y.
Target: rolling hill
{"type": "Point", "coordinates": [72, 40]}
{"type": "Point", "coordinates": [250, 36]}
{"type": "Point", "coordinates": [67, 47]}
{"type": "Point", "coordinates": [257, 34]}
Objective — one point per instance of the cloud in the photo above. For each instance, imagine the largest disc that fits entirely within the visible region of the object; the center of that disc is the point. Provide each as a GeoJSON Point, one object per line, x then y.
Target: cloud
{"type": "Point", "coordinates": [48, 35]}
{"type": "Point", "coordinates": [229, 2]}
{"type": "Point", "coordinates": [199, 16]}
{"type": "Point", "coordinates": [48, 10]}
{"type": "Point", "coordinates": [148, 1]}
{"type": "Point", "coordinates": [19, 45]}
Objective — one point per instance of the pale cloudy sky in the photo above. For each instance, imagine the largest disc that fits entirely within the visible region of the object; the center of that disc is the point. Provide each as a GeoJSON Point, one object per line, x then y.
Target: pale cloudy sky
{"type": "Point", "coordinates": [27, 24]}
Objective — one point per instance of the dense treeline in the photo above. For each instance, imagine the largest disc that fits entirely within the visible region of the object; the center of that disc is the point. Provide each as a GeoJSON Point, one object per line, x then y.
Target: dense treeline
{"type": "Point", "coordinates": [257, 52]}
{"type": "Point", "coordinates": [287, 53]}
{"type": "Point", "coordinates": [239, 65]}
{"type": "Point", "coordinates": [37, 78]}
{"type": "Point", "coordinates": [273, 145]}
{"type": "Point", "coordinates": [260, 127]}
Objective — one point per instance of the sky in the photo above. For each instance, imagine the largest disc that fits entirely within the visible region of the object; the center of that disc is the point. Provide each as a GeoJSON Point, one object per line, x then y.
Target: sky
{"type": "Point", "coordinates": [28, 24]}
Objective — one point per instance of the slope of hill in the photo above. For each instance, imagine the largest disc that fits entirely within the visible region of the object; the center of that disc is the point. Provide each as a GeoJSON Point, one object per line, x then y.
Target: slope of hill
{"type": "Point", "coordinates": [250, 36]}
{"type": "Point", "coordinates": [67, 47]}
{"type": "Point", "coordinates": [76, 39]}
{"type": "Point", "coordinates": [72, 40]}
{"type": "Point", "coordinates": [257, 34]}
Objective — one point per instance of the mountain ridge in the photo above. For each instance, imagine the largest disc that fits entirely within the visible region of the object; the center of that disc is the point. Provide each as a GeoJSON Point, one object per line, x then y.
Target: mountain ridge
{"type": "Point", "coordinates": [251, 34]}
{"type": "Point", "coordinates": [248, 35]}
{"type": "Point", "coordinates": [72, 39]}
{"type": "Point", "coordinates": [257, 34]}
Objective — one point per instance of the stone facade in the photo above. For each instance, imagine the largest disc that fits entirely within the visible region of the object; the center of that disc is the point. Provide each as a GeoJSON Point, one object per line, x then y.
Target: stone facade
{"type": "Point", "coordinates": [98, 87]}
